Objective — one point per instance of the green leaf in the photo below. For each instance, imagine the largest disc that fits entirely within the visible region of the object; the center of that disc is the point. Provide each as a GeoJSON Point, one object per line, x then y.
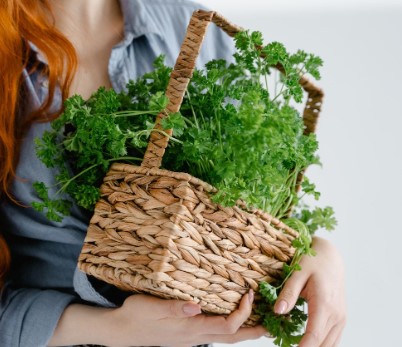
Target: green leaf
{"type": "Point", "coordinates": [55, 209]}
{"type": "Point", "coordinates": [176, 122]}
{"type": "Point", "coordinates": [287, 328]}
{"type": "Point", "coordinates": [158, 101]}
{"type": "Point", "coordinates": [318, 218]}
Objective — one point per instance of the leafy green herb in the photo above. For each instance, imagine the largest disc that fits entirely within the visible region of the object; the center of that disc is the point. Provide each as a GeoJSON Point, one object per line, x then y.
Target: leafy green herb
{"type": "Point", "coordinates": [55, 209]}
{"type": "Point", "coordinates": [286, 329]}
{"type": "Point", "coordinates": [317, 218]}
{"type": "Point", "coordinates": [236, 136]}
{"type": "Point", "coordinates": [87, 137]}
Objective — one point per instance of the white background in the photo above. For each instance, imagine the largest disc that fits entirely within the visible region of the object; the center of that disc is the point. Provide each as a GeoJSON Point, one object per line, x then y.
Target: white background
{"type": "Point", "coordinates": [360, 134]}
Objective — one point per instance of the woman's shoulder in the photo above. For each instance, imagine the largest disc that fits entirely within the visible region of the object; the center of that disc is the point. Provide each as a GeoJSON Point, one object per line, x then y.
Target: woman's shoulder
{"type": "Point", "coordinates": [163, 5]}
{"type": "Point", "coordinates": [158, 16]}
{"type": "Point", "coordinates": [169, 20]}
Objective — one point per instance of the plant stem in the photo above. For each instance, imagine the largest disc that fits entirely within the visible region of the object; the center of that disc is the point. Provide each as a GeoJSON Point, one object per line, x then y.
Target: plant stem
{"type": "Point", "coordinates": [133, 113]}
{"type": "Point", "coordinates": [65, 185]}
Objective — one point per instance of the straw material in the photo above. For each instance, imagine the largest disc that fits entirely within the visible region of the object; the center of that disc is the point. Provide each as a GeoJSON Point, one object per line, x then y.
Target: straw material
{"type": "Point", "coordinates": [158, 232]}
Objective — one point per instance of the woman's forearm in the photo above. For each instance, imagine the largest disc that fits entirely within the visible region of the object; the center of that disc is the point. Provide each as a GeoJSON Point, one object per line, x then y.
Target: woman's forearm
{"type": "Point", "coordinates": [148, 321]}
{"type": "Point", "coordinates": [83, 324]}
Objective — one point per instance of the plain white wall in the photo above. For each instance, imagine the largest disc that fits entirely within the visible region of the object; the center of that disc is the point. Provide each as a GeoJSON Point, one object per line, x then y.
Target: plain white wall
{"type": "Point", "coordinates": [360, 134]}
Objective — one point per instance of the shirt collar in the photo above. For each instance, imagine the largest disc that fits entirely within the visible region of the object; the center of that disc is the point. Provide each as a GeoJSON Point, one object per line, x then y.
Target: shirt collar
{"type": "Point", "coordinates": [137, 19]}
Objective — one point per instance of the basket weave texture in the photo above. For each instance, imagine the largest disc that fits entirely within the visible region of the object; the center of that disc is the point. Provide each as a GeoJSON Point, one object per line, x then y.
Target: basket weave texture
{"type": "Point", "coordinates": [158, 232]}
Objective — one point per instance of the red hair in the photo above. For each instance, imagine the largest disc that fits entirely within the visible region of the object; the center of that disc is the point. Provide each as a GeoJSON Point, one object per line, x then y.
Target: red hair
{"type": "Point", "coordinates": [21, 22]}
{"type": "Point", "coordinates": [5, 260]}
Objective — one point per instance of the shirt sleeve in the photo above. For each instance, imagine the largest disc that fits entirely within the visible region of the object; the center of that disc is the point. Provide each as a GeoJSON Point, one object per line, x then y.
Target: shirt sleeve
{"type": "Point", "coordinates": [28, 317]}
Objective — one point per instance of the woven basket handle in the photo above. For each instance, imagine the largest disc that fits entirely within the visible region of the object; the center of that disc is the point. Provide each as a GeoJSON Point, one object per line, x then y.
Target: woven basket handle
{"type": "Point", "coordinates": [183, 71]}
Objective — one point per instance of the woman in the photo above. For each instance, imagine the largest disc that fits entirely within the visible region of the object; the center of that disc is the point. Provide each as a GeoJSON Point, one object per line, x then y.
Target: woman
{"type": "Point", "coordinates": [50, 50]}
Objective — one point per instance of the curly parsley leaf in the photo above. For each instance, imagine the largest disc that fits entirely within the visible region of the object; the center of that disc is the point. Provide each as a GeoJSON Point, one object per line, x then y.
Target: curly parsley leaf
{"type": "Point", "coordinates": [86, 138]}
{"type": "Point", "coordinates": [286, 328]}
{"type": "Point", "coordinates": [54, 209]}
{"type": "Point", "coordinates": [176, 122]}
{"type": "Point", "coordinates": [317, 218]}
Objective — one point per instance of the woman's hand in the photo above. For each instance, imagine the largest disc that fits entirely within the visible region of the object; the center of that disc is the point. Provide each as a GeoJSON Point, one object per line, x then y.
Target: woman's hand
{"type": "Point", "coordinates": [321, 284]}
{"type": "Point", "coordinates": [148, 321]}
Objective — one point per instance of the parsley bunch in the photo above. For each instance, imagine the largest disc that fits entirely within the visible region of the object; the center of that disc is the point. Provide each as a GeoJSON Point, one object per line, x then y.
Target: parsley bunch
{"type": "Point", "coordinates": [236, 136]}
{"type": "Point", "coordinates": [233, 131]}
{"type": "Point", "coordinates": [83, 142]}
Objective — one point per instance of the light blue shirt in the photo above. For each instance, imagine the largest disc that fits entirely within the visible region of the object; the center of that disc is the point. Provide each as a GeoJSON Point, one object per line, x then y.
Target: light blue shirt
{"type": "Point", "coordinates": [44, 278]}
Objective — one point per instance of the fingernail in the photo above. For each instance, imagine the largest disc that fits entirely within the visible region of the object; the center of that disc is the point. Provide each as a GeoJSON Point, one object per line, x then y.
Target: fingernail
{"type": "Point", "coordinates": [281, 307]}
{"type": "Point", "coordinates": [251, 296]}
{"type": "Point", "coordinates": [191, 309]}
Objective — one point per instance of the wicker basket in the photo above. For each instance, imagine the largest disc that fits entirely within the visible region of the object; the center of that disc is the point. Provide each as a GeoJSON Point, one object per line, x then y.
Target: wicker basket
{"type": "Point", "coordinates": [157, 231]}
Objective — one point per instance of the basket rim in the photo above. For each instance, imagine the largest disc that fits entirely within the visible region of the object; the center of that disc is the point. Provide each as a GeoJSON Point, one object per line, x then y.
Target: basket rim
{"type": "Point", "coordinates": [133, 169]}
{"type": "Point", "coordinates": [208, 188]}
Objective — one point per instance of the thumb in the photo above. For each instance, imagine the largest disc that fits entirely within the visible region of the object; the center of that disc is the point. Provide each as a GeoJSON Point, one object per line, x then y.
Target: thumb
{"type": "Point", "coordinates": [290, 293]}
{"type": "Point", "coordinates": [179, 309]}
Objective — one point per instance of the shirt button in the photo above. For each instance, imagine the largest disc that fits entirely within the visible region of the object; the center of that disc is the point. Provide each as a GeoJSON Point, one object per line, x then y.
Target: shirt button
{"type": "Point", "coordinates": [45, 84]}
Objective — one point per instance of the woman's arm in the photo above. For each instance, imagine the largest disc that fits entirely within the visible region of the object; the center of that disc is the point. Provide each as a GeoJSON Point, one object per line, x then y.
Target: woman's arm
{"type": "Point", "coordinates": [321, 284]}
{"type": "Point", "coordinates": [145, 320]}
{"type": "Point", "coordinates": [82, 324]}
{"type": "Point", "coordinates": [149, 321]}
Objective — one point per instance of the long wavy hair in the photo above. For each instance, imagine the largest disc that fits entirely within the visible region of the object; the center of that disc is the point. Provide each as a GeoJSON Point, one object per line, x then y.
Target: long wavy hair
{"type": "Point", "coordinates": [5, 260]}
{"type": "Point", "coordinates": [23, 22]}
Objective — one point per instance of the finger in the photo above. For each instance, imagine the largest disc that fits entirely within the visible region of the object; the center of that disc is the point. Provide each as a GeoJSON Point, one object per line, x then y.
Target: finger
{"type": "Point", "coordinates": [316, 329]}
{"type": "Point", "coordinates": [230, 324]}
{"type": "Point", "coordinates": [160, 308]}
{"type": "Point", "coordinates": [338, 340]}
{"type": "Point", "coordinates": [333, 336]}
{"type": "Point", "coordinates": [290, 292]}
{"type": "Point", "coordinates": [181, 309]}
{"type": "Point", "coordinates": [242, 334]}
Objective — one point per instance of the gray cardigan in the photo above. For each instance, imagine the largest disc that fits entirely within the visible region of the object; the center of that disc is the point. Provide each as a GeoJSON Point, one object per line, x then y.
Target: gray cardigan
{"type": "Point", "coordinates": [44, 278]}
